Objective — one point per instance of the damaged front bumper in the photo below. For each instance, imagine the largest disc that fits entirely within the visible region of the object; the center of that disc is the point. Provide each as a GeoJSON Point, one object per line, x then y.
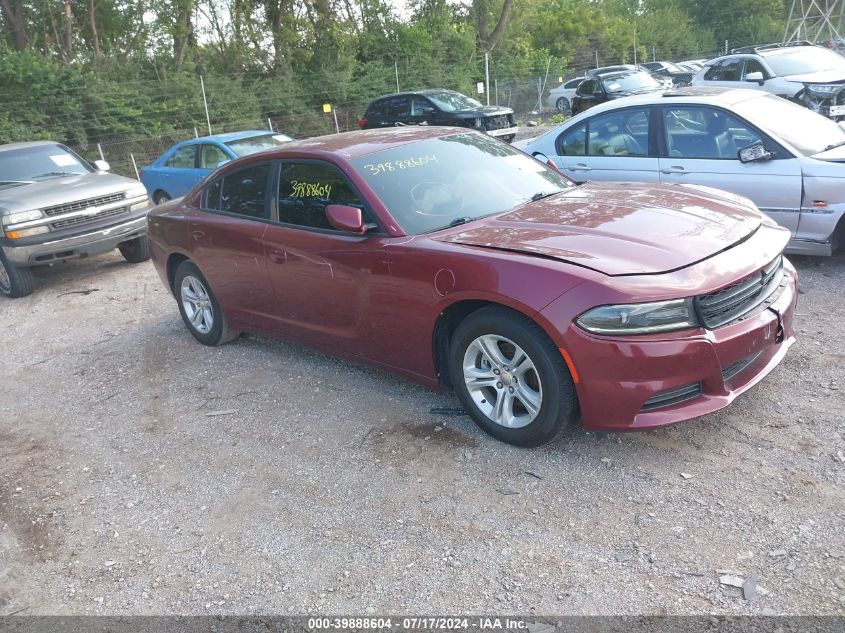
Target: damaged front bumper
{"type": "Point", "coordinates": [825, 99]}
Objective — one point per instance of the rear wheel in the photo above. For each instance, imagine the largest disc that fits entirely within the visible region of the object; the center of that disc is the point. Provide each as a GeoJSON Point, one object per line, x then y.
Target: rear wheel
{"type": "Point", "coordinates": [15, 281]}
{"type": "Point", "coordinates": [135, 251]}
{"type": "Point", "coordinates": [199, 307]}
{"type": "Point", "coordinates": [563, 105]}
{"type": "Point", "coordinates": [511, 378]}
{"type": "Point", "coordinates": [161, 197]}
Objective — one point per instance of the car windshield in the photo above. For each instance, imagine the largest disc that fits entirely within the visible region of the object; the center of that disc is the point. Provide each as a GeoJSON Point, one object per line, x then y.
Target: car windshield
{"type": "Point", "coordinates": [805, 130]}
{"type": "Point", "coordinates": [431, 184]}
{"type": "Point", "coordinates": [254, 144]}
{"type": "Point", "coordinates": [805, 60]}
{"type": "Point", "coordinates": [30, 164]}
{"type": "Point", "coordinates": [629, 83]}
{"type": "Point", "coordinates": [450, 101]}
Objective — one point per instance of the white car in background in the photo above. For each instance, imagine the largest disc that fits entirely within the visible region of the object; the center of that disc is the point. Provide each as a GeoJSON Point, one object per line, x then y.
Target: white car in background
{"type": "Point", "coordinates": [808, 74]}
{"type": "Point", "coordinates": [560, 98]}
{"type": "Point", "coordinates": [787, 159]}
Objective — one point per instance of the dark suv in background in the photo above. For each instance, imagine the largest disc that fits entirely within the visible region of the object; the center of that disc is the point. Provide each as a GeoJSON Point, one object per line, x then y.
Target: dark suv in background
{"type": "Point", "coordinates": [439, 107]}
{"type": "Point", "coordinates": [612, 85]}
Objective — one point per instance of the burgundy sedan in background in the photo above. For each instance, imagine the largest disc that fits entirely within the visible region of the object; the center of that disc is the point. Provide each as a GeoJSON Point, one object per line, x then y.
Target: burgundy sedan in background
{"type": "Point", "coordinates": [454, 259]}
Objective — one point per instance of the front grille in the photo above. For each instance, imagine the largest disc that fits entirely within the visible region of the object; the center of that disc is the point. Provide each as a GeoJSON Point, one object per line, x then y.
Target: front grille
{"type": "Point", "coordinates": [60, 224]}
{"type": "Point", "coordinates": [730, 303]}
{"type": "Point", "coordinates": [79, 205]}
{"type": "Point", "coordinates": [672, 396]}
{"type": "Point", "coordinates": [735, 368]}
{"type": "Point", "coordinates": [496, 122]}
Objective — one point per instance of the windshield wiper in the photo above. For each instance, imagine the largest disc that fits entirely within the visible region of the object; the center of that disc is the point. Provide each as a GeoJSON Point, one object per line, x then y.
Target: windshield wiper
{"type": "Point", "coordinates": [542, 194]}
{"type": "Point", "coordinates": [56, 173]}
{"type": "Point", "coordinates": [458, 221]}
{"type": "Point", "coordinates": [834, 146]}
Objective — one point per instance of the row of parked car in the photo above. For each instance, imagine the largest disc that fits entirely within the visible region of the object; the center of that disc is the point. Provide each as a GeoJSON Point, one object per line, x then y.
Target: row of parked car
{"type": "Point", "coordinates": [811, 75]}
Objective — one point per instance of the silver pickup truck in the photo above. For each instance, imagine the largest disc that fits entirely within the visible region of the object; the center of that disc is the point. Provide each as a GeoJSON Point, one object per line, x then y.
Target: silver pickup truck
{"type": "Point", "coordinates": [54, 206]}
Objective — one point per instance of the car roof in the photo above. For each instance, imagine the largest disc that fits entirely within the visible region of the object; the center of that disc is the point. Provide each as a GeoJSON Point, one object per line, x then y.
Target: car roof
{"type": "Point", "coordinates": [11, 146]}
{"type": "Point", "coordinates": [360, 143]}
{"type": "Point", "coordinates": [230, 136]}
{"type": "Point", "coordinates": [410, 93]}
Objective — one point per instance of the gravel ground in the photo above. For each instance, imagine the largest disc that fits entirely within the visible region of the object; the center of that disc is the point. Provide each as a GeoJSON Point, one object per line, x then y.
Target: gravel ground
{"type": "Point", "coordinates": [143, 473]}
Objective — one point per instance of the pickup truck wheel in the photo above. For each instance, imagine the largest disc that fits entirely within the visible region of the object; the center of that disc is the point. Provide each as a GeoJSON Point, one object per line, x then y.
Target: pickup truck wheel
{"type": "Point", "coordinates": [199, 307]}
{"type": "Point", "coordinates": [15, 281]}
{"type": "Point", "coordinates": [135, 251]}
{"type": "Point", "coordinates": [511, 378]}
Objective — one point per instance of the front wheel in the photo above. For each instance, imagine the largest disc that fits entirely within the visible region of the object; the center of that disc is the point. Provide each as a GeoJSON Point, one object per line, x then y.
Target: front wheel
{"type": "Point", "coordinates": [15, 281]}
{"type": "Point", "coordinates": [511, 378]}
{"type": "Point", "coordinates": [135, 251]}
{"type": "Point", "coordinates": [199, 307]}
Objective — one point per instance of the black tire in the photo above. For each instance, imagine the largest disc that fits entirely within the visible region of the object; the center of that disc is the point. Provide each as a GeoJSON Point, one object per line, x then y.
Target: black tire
{"type": "Point", "coordinates": [559, 403]}
{"type": "Point", "coordinates": [135, 251]}
{"type": "Point", "coordinates": [563, 105]}
{"type": "Point", "coordinates": [218, 333]}
{"type": "Point", "coordinates": [15, 281]}
{"type": "Point", "coordinates": [161, 197]}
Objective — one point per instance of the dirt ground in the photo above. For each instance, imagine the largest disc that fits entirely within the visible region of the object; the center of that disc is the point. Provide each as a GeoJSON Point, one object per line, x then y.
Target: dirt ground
{"type": "Point", "coordinates": [143, 473]}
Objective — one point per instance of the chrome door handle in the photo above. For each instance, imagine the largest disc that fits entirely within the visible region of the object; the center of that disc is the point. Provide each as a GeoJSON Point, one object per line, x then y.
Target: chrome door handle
{"type": "Point", "coordinates": [579, 167]}
{"type": "Point", "coordinates": [674, 169]}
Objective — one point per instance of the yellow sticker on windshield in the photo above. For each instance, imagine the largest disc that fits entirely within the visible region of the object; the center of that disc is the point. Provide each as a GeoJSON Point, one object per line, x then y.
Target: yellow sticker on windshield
{"type": "Point", "coordinates": [309, 189]}
{"type": "Point", "coordinates": [394, 165]}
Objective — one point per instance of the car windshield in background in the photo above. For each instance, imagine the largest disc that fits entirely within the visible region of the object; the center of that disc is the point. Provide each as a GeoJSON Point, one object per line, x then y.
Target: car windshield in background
{"type": "Point", "coordinates": [39, 163]}
{"type": "Point", "coordinates": [255, 144]}
{"type": "Point", "coordinates": [431, 184]}
{"type": "Point", "coordinates": [629, 83]}
{"type": "Point", "coordinates": [449, 101]}
{"type": "Point", "coordinates": [805, 60]}
{"type": "Point", "coordinates": [807, 131]}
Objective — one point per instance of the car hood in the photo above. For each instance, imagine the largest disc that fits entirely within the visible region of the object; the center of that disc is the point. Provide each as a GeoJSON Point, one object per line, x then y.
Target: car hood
{"type": "Point", "coordinates": [620, 229]}
{"type": "Point", "coordinates": [55, 191]}
{"type": "Point", "coordinates": [819, 77]}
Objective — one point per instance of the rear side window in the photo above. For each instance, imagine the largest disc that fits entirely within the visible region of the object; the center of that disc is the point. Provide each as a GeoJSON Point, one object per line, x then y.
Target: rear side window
{"type": "Point", "coordinates": [573, 142]}
{"type": "Point", "coordinates": [399, 106]}
{"type": "Point", "coordinates": [306, 189]}
{"type": "Point", "coordinates": [243, 192]}
{"type": "Point", "coordinates": [623, 133]}
{"type": "Point", "coordinates": [377, 108]}
{"type": "Point", "coordinates": [182, 158]}
{"type": "Point", "coordinates": [572, 84]}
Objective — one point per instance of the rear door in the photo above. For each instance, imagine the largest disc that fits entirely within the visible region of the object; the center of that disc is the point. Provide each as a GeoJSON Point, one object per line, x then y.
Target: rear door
{"type": "Point", "coordinates": [699, 145]}
{"type": "Point", "coordinates": [398, 111]}
{"type": "Point", "coordinates": [179, 173]}
{"type": "Point", "coordinates": [616, 145]}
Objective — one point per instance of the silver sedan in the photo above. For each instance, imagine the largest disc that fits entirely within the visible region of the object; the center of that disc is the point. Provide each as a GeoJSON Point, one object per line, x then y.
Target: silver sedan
{"type": "Point", "coordinates": [787, 159]}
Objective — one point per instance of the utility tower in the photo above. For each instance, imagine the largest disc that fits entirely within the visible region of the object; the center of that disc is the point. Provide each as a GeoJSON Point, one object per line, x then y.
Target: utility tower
{"type": "Point", "coordinates": [815, 20]}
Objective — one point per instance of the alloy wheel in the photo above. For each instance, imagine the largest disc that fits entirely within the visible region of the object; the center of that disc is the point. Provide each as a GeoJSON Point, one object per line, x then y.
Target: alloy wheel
{"type": "Point", "coordinates": [197, 304]}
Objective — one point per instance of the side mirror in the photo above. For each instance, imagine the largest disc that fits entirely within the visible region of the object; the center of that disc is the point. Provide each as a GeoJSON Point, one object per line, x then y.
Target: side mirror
{"type": "Point", "coordinates": [756, 77]}
{"type": "Point", "coordinates": [754, 153]}
{"type": "Point", "coordinates": [101, 165]}
{"type": "Point", "coordinates": [344, 218]}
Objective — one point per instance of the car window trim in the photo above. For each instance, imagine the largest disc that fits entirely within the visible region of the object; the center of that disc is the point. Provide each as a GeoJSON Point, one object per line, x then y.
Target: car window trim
{"type": "Point", "coordinates": [270, 180]}
{"type": "Point", "coordinates": [371, 216]}
{"type": "Point", "coordinates": [779, 151]}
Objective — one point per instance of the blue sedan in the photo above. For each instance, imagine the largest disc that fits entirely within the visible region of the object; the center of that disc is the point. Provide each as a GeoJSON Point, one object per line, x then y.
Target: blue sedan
{"type": "Point", "coordinates": [182, 166]}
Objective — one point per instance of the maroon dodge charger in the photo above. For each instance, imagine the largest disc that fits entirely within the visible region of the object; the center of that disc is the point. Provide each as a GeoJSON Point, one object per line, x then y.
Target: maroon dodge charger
{"type": "Point", "coordinates": [454, 259]}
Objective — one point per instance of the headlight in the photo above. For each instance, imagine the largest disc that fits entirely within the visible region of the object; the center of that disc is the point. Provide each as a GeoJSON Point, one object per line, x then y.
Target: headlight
{"type": "Point", "coordinates": [35, 230]}
{"type": "Point", "coordinates": [22, 216]}
{"type": "Point", "coordinates": [639, 318]}
{"type": "Point", "coordinates": [824, 89]}
{"type": "Point", "coordinates": [136, 192]}
{"type": "Point", "coordinates": [140, 205]}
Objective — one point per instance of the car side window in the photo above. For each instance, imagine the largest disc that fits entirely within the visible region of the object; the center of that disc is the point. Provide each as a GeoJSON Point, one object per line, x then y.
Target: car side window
{"type": "Point", "coordinates": [377, 109]}
{"type": "Point", "coordinates": [421, 106]}
{"type": "Point", "coordinates": [210, 156]}
{"type": "Point", "coordinates": [726, 70]}
{"type": "Point", "coordinates": [182, 158]}
{"type": "Point", "coordinates": [242, 192]}
{"type": "Point", "coordinates": [698, 132]}
{"type": "Point", "coordinates": [572, 84]}
{"type": "Point", "coordinates": [753, 66]}
{"type": "Point", "coordinates": [587, 87]}
{"type": "Point", "coordinates": [620, 133]}
{"type": "Point", "coordinates": [306, 189]}
{"type": "Point", "coordinates": [573, 142]}
{"type": "Point", "coordinates": [399, 107]}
